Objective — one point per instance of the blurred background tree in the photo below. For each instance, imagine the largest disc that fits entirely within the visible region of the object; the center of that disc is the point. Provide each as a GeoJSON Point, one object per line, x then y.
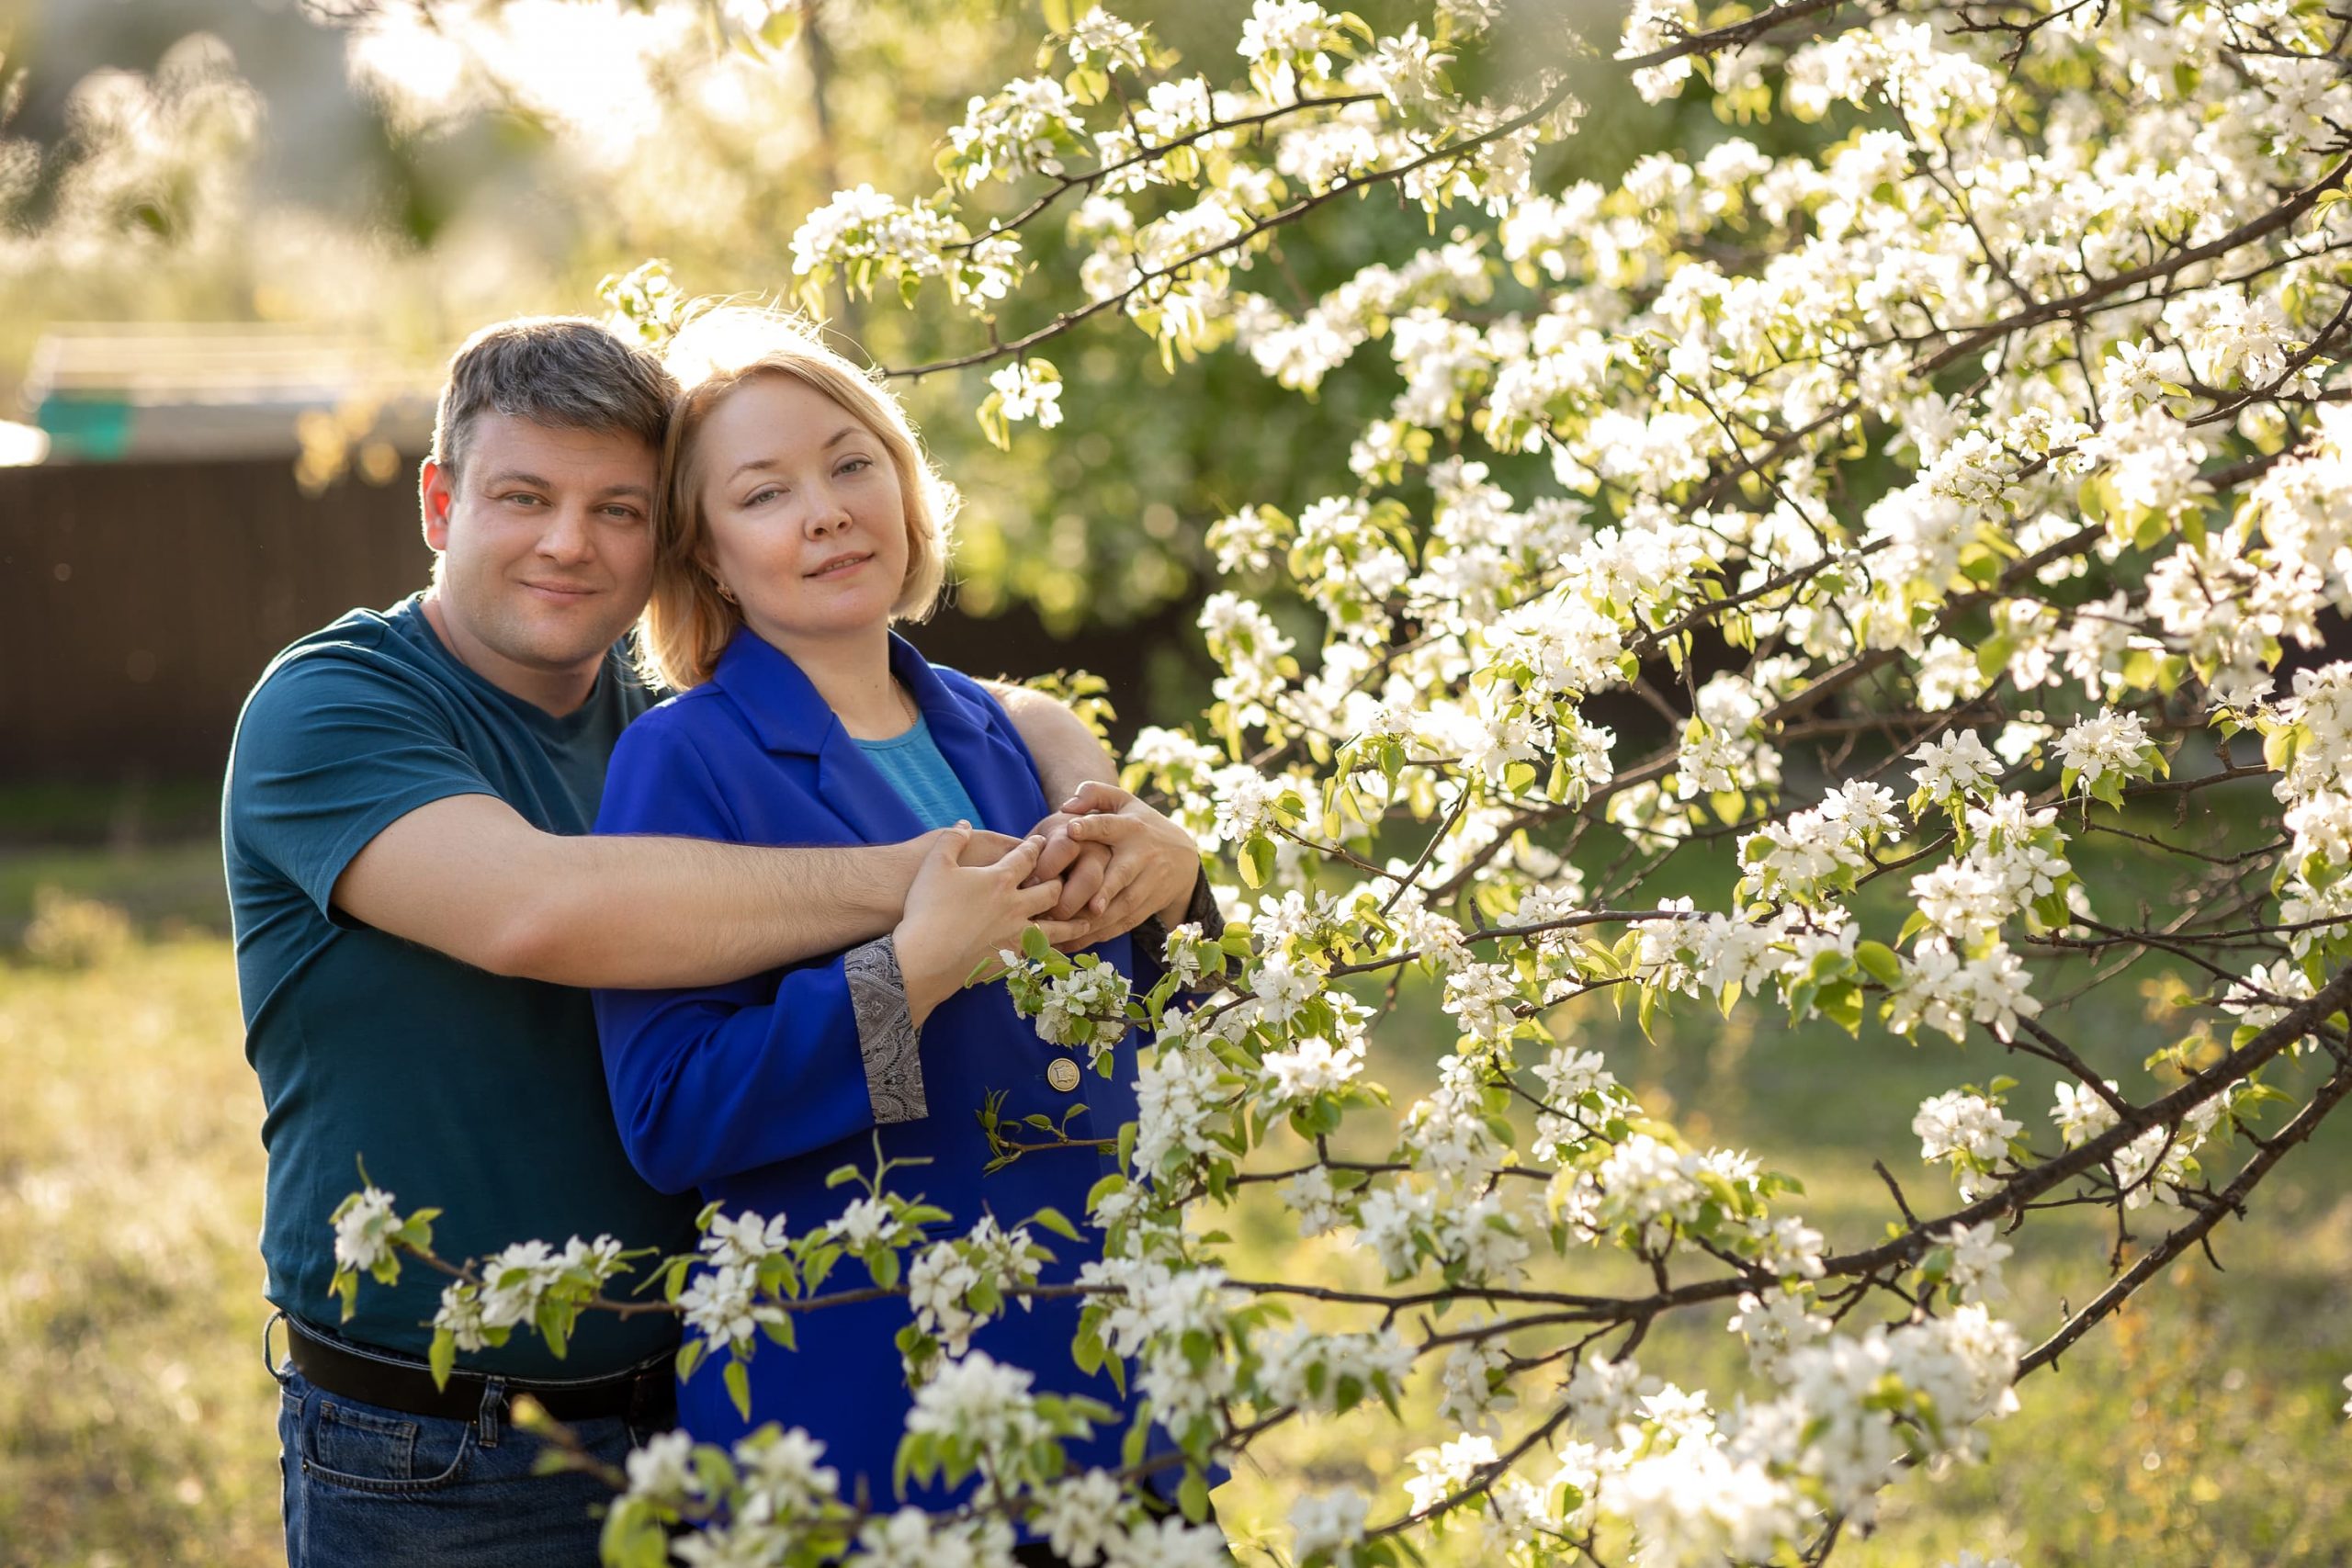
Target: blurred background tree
{"type": "Point", "coordinates": [408, 169]}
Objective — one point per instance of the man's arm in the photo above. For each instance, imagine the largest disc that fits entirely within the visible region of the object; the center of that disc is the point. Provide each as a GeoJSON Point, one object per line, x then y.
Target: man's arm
{"type": "Point", "coordinates": [468, 876]}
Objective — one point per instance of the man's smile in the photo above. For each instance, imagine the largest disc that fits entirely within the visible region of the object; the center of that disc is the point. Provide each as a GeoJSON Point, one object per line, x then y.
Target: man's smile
{"type": "Point", "coordinates": [563, 593]}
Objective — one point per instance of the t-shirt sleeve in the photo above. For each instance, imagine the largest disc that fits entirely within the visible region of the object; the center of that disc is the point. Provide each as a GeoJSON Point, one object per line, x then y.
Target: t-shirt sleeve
{"type": "Point", "coordinates": [330, 752]}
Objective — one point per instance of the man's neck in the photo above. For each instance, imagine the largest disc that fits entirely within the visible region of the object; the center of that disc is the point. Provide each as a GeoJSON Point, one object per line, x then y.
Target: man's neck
{"type": "Point", "coordinates": [557, 692]}
{"type": "Point", "coordinates": [852, 673]}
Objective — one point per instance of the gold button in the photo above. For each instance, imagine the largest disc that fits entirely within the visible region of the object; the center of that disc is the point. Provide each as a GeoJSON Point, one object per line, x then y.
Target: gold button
{"type": "Point", "coordinates": [1062, 1073]}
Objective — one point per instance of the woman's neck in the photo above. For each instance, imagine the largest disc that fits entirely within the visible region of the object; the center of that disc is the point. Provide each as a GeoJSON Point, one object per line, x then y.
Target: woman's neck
{"type": "Point", "coordinates": [852, 673]}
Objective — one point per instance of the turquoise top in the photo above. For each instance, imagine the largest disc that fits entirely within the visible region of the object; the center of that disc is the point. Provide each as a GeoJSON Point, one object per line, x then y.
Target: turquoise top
{"type": "Point", "coordinates": [921, 776]}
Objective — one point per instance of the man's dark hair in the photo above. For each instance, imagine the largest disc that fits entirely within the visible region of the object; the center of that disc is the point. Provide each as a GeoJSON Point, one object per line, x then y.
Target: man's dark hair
{"type": "Point", "coordinates": [565, 371]}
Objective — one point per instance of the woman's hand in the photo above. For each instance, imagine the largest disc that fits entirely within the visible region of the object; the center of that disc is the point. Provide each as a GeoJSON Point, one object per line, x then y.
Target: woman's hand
{"type": "Point", "coordinates": [959, 917]}
{"type": "Point", "coordinates": [1153, 866]}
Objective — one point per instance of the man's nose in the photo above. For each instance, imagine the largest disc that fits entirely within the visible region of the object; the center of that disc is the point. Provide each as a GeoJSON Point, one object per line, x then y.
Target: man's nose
{"type": "Point", "coordinates": [568, 535]}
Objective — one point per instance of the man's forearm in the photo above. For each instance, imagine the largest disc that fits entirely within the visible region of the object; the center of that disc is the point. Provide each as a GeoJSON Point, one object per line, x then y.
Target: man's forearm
{"type": "Point", "coordinates": [632, 912]}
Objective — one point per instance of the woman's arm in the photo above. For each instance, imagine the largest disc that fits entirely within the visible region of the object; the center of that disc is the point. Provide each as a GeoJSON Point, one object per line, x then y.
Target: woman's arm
{"type": "Point", "coordinates": [707, 1084]}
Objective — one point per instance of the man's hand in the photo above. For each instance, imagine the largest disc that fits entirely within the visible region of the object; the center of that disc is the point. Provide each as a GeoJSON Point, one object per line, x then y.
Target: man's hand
{"type": "Point", "coordinates": [1153, 865]}
{"type": "Point", "coordinates": [981, 846]}
{"type": "Point", "coordinates": [1081, 867]}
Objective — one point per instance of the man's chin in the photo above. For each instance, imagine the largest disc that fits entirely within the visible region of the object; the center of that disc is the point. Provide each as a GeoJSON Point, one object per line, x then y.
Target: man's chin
{"type": "Point", "coordinates": [571, 646]}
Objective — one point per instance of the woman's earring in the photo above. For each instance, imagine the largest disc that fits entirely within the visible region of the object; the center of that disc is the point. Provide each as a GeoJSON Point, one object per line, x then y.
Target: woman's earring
{"type": "Point", "coordinates": [724, 592]}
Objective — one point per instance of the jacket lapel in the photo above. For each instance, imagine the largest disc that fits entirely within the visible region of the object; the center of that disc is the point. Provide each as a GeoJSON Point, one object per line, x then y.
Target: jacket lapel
{"type": "Point", "coordinates": [787, 715]}
{"type": "Point", "coordinates": [993, 773]}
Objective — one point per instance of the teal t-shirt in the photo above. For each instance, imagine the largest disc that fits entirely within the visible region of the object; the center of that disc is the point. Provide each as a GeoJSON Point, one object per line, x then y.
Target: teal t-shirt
{"type": "Point", "coordinates": [478, 1094]}
{"type": "Point", "coordinates": [912, 764]}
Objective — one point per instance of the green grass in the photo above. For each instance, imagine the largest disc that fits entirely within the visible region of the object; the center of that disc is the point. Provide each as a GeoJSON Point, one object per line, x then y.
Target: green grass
{"type": "Point", "coordinates": [136, 1421]}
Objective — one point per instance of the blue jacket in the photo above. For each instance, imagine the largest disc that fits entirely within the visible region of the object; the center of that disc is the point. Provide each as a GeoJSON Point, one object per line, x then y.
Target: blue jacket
{"type": "Point", "coordinates": [753, 1093]}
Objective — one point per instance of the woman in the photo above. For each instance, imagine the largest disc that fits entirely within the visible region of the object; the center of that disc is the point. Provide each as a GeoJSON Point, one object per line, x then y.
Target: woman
{"type": "Point", "coordinates": [799, 519]}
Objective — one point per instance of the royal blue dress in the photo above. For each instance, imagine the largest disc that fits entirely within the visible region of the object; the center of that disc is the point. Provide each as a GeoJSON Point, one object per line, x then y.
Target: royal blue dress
{"type": "Point", "coordinates": [753, 1093]}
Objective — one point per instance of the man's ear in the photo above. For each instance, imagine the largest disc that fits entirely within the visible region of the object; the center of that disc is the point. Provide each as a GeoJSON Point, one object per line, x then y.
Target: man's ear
{"type": "Point", "coordinates": [436, 489]}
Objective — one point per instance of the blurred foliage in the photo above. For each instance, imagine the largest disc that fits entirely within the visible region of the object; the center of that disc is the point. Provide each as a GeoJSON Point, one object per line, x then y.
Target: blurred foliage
{"type": "Point", "coordinates": [500, 157]}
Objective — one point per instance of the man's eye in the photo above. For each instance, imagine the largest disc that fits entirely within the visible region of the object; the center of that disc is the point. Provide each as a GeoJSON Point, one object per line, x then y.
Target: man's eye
{"type": "Point", "coordinates": [521, 498]}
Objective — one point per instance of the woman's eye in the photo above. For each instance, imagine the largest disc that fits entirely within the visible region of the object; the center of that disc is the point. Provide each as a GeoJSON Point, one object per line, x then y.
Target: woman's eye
{"type": "Point", "coordinates": [857, 465]}
{"type": "Point", "coordinates": [761, 496]}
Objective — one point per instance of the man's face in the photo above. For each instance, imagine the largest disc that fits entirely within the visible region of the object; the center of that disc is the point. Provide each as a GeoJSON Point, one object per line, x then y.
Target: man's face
{"type": "Point", "coordinates": [546, 537]}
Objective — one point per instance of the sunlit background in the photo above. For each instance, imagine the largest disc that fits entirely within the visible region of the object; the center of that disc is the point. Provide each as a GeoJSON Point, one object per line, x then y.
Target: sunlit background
{"type": "Point", "coordinates": [237, 240]}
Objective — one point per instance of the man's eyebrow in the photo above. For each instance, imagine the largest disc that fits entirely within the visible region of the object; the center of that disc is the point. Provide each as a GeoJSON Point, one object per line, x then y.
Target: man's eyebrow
{"type": "Point", "coordinates": [516, 476]}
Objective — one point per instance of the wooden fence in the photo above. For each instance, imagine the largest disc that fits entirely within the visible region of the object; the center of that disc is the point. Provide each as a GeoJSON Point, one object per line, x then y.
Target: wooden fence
{"type": "Point", "coordinates": [139, 600]}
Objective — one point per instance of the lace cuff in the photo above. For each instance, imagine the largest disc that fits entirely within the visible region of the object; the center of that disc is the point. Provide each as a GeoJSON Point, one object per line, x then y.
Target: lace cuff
{"type": "Point", "coordinates": [886, 1037]}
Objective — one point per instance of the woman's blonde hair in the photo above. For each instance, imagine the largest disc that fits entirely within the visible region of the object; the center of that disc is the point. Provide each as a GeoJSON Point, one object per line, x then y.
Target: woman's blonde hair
{"type": "Point", "coordinates": [687, 624]}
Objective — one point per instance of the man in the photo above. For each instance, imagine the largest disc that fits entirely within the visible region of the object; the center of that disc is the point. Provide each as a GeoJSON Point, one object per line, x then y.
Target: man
{"type": "Point", "coordinates": [418, 907]}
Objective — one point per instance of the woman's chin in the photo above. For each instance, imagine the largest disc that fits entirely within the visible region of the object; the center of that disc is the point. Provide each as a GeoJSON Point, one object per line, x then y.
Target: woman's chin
{"type": "Point", "coordinates": [826, 622]}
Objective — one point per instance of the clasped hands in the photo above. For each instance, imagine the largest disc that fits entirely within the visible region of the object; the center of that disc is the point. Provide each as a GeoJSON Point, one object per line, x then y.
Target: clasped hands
{"type": "Point", "coordinates": [1100, 866]}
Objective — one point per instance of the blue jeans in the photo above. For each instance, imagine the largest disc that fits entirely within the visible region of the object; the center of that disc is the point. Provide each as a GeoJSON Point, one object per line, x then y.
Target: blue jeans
{"type": "Point", "coordinates": [365, 1486]}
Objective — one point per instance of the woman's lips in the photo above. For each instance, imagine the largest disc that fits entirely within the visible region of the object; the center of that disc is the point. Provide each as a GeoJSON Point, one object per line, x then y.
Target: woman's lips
{"type": "Point", "coordinates": [840, 565]}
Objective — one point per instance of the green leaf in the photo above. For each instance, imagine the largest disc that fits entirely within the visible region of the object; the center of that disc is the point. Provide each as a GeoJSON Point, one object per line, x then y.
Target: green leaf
{"type": "Point", "coordinates": [443, 1356]}
{"type": "Point", "coordinates": [1258, 859]}
{"type": "Point", "coordinates": [1033, 946]}
{"type": "Point", "coordinates": [1193, 1497]}
{"type": "Point", "coordinates": [739, 1388]}
{"type": "Point", "coordinates": [780, 27]}
{"type": "Point", "coordinates": [1053, 1219]}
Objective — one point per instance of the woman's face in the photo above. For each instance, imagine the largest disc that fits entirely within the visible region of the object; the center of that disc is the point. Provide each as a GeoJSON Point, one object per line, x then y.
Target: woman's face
{"type": "Point", "coordinates": [806, 523]}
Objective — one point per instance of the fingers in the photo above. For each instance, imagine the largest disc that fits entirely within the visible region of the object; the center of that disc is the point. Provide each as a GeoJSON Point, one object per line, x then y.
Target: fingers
{"type": "Point", "coordinates": [1029, 903]}
{"type": "Point", "coordinates": [1059, 852]}
{"type": "Point", "coordinates": [1066, 936]}
{"type": "Point", "coordinates": [982, 847]}
{"type": "Point", "coordinates": [1096, 796]}
{"type": "Point", "coordinates": [947, 848]}
{"type": "Point", "coordinates": [1104, 828]}
{"type": "Point", "coordinates": [1125, 872]}
{"type": "Point", "coordinates": [1021, 860]}
{"type": "Point", "coordinates": [1128, 911]}
{"type": "Point", "coordinates": [1080, 879]}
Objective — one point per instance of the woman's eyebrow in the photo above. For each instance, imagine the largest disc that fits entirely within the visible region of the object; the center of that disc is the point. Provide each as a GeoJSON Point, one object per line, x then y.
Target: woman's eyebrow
{"type": "Point", "coordinates": [758, 465]}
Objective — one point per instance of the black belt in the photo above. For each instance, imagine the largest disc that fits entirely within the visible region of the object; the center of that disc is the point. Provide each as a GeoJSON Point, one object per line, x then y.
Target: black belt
{"type": "Point", "coordinates": [645, 1393]}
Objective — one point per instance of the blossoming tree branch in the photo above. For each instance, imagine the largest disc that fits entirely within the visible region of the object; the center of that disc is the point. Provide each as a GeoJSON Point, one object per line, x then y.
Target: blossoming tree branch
{"type": "Point", "coordinates": [1951, 496]}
